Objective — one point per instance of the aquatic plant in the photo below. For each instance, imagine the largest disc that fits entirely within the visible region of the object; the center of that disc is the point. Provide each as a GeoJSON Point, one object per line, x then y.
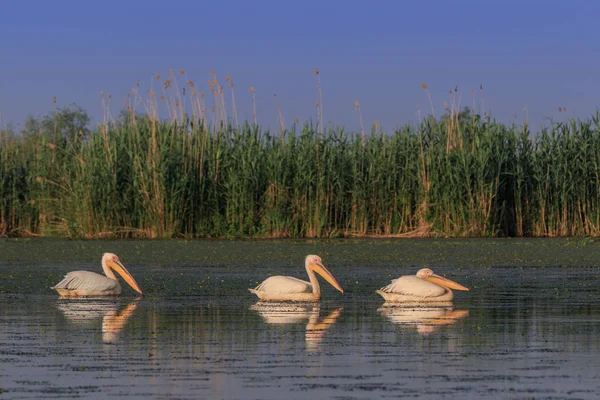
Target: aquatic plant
{"type": "Point", "coordinates": [199, 173]}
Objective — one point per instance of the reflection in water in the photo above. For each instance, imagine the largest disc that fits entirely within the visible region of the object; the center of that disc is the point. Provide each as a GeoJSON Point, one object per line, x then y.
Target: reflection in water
{"type": "Point", "coordinates": [427, 319]}
{"type": "Point", "coordinates": [315, 329]}
{"type": "Point", "coordinates": [87, 313]}
{"type": "Point", "coordinates": [296, 313]}
{"type": "Point", "coordinates": [531, 331]}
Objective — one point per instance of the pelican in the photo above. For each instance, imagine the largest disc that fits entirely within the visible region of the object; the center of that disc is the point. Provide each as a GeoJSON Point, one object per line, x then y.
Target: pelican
{"type": "Point", "coordinates": [85, 283]}
{"type": "Point", "coordinates": [284, 288]}
{"type": "Point", "coordinates": [425, 286]}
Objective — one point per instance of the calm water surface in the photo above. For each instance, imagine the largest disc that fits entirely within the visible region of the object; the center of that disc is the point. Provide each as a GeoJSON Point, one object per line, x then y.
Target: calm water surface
{"type": "Point", "coordinates": [529, 327]}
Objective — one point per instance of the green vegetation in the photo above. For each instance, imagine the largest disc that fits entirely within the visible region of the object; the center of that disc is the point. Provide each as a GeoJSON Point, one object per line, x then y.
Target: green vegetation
{"type": "Point", "coordinates": [141, 177]}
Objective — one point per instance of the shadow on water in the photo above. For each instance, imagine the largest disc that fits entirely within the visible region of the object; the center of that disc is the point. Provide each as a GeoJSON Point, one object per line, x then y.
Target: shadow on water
{"type": "Point", "coordinates": [529, 327]}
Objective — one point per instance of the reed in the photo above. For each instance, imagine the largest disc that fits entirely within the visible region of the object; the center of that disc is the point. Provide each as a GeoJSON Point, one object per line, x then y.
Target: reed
{"type": "Point", "coordinates": [199, 174]}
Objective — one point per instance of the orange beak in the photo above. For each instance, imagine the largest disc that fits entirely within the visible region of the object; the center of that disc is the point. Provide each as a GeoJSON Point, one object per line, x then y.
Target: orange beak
{"type": "Point", "coordinates": [121, 270]}
{"type": "Point", "coordinates": [445, 282]}
{"type": "Point", "coordinates": [321, 270]}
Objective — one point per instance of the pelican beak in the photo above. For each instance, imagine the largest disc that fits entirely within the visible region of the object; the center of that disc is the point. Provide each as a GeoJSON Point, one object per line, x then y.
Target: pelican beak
{"type": "Point", "coordinates": [445, 282]}
{"type": "Point", "coordinates": [321, 270]}
{"type": "Point", "coordinates": [121, 270]}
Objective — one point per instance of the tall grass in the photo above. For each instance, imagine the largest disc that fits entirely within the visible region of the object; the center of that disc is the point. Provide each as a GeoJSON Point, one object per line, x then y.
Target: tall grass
{"type": "Point", "coordinates": [194, 176]}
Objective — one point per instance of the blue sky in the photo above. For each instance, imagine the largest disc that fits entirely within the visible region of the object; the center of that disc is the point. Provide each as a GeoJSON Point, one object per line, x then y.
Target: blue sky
{"type": "Point", "coordinates": [538, 55]}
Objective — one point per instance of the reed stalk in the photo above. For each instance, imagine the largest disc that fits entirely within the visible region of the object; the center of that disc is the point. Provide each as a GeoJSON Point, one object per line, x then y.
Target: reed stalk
{"type": "Point", "coordinates": [193, 175]}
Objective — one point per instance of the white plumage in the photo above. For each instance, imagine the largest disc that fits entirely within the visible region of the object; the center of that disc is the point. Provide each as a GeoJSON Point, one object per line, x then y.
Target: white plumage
{"type": "Point", "coordinates": [413, 286]}
{"type": "Point", "coordinates": [425, 286]}
{"type": "Point", "coordinates": [86, 283]}
{"type": "Point", "coordinates": [288, 288]}
{"type": "Point", "coordinates": [284, 285]}
{"type": "Point", "coordinates": [90, 282]}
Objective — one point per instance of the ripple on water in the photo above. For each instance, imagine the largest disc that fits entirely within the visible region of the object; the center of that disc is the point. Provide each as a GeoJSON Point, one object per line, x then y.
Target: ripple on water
{"type": "Point", "coordinates": [527, 328]}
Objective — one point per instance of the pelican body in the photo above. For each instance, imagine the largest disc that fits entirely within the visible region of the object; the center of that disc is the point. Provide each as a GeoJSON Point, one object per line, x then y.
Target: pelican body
{"type": "Point", "coordinates": [288, 288]}
{"type": "Point", "coordinates": [86, 283]}
{"type": "Point", "coordinates": [425, 286]}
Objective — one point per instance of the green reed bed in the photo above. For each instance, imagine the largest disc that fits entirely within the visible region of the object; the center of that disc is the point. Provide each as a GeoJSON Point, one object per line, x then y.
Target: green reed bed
{"type": "Point", "coordinates": [146, 178]}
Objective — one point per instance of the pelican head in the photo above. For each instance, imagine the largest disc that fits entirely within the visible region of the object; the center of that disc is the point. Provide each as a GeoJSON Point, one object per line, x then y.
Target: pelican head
{"type": "Point", "coordinates": [112, 261]}
{"type": "Point", "coordinates": [314, 263]}
{"type": "Point", "coordinates": [428, 275]}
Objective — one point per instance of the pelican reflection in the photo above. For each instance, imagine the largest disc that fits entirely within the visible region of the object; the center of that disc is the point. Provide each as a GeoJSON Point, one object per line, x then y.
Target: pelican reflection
{"type": "Point", "coordinates": [299, 313]}
{"type": "Point", "coordinates": [426, 319]}
{"type": "Point", "coordinates": [88, 313]}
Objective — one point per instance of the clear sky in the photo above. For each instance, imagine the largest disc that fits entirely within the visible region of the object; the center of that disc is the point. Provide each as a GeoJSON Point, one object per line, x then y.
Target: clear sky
{"type": "Point", "coordinates": [538, 55]}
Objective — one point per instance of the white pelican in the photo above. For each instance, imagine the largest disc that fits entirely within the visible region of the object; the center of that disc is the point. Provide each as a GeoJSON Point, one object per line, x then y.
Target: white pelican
{"type": "Point", "coordinates": [86, 283]}
{"type": "Point", "coordinates": [425, 286]}
{"type": "Point", "coordinates": [283, 288]}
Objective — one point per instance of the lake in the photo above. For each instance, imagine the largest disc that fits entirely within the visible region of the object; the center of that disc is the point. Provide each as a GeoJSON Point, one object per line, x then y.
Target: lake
{"type": "Point", "coordinates": [529, 327]}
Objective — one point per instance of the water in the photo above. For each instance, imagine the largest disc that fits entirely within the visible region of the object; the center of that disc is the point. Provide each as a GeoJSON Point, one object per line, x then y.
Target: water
{"type": "Point", "coordinates": [529, 327]}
